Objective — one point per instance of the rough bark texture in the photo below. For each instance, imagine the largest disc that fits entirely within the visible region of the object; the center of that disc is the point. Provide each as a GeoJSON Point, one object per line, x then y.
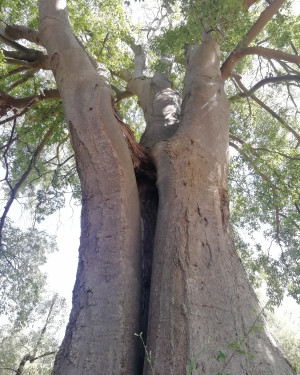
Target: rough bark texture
{"type": "Point", "coordinates": [106, 297]}
{"type": "Point", "coordinates": [200, 299]}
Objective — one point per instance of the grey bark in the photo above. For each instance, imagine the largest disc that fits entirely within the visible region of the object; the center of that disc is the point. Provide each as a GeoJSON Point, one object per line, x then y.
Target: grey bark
{"type": "Point", "coordinates": [200, 300]}
{"type": "Point", "coordinates": [106, 297]}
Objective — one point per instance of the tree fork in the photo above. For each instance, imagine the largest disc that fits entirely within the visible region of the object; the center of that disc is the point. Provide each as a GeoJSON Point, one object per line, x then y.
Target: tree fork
{"type": "Point", "coordinates": [200, 297]}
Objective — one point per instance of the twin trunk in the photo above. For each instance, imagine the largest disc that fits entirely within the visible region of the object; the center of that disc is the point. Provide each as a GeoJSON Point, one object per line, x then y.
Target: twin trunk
{"type": "Point", "coordinates": [200, 298]}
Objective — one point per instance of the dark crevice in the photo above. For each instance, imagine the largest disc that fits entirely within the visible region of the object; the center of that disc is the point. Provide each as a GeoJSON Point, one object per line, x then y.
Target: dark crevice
{"type": "Point", "coordinates": [148, 196]}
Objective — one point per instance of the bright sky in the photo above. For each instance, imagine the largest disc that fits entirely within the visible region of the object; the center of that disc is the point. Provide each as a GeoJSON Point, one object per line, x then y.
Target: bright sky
{"type": "Point", "coordinates": [62, 265]}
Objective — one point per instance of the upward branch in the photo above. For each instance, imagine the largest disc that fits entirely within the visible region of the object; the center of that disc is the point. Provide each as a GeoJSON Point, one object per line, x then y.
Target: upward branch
{"type": "Point", "coordinates": [22, 55]}
{"type": "Point", "coordinates": [22, 179]}
{"type": "Point", "coordinates": [263, 19]}
{"type": "Point", "coordinates": [265, 81]}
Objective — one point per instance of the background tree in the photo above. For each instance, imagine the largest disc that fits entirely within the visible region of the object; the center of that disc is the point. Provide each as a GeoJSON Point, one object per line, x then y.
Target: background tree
{"type": "Point", "coordinates": [31, 350]}
{"type": "Point", "coordinates": [21, 281]}
{"type": "Point", "coordinates": [203, 315]}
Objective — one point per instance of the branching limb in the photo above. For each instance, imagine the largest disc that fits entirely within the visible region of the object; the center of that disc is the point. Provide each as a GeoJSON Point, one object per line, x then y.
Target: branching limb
{"type": "Point", "coordinates": [125, 75]}
{"type": "Point", "coordinates": [41, 63]}
{"type": "Point", "coordinates": [63, 141]}
{"type": "Point", "coordinates": [269, 53]}
{"type": "Point", "coordinates": [10, 141]}
{"type": "Point", "coordinates": [253, 165]}
{"type": "Point", "coordinates": [259, 25]}
{"type": "Point", "coordinates": [139, 60]}
{"type": "Point", "coordinates": [14, 71]}
{"type": "Point", "coordinates": [42, 356]}
{"type": "Point", "coordinates": [8, 102]}
{"type": "Point", "coordinates": [43, 331]}
{"type": "Point", "coordinates": [156, 22]}
{"type": "Point", "coordinates": [267, 108]}
{"type": "Point", "coordinates": [103, 45]}
{"type": "Point", "coordinates": [119, 94]}
{"type": "Point", "coordinates": [13, 44]}
{"type": "Point", "coordinates": [16, 32]}
{"type": "Point", "coordinates": [22, 179]}
{"type": "Point", "coordinates": [31, 359]}
{"type": "Point", "coordinates": [278, 79]}
{"type": "Point", "coordinates": [24, 79]}
{"type": "Point", "coordinates": [21, 55]}
{"type": "Point", "coordinates": [294, 48]}
{"type": "Point", "coordinates": [275, 152]}
{"type": "Point", "coordinates": [285, 217]}
{"type": "Point", "coordinates": [29, 56]}
{"type": "Point", "coordinates": [266, 179]}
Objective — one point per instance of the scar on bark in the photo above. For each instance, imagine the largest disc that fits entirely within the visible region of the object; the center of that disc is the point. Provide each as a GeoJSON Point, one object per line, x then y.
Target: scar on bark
{"type": "Point", "coordinates": [224, 204]}
{"type": "Point", "coordinates": [142, 163]}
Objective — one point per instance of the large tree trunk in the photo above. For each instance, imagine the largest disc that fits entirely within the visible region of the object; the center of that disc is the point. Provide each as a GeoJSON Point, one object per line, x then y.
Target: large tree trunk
{"type": "Point", "coordinates": [106, 297]}
{"type": "Point", "coordinates": [201, 300]}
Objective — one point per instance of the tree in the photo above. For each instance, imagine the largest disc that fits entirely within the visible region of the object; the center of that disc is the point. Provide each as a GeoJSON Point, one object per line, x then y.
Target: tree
{"type": "Point", "coordinates": [21, 281]}
{"type": "Point", "coordinates": [157, 213]}
{"type": "Point", "coordinates": [289, 341]}
{"type": "Point", "coordinates": [32, 349]}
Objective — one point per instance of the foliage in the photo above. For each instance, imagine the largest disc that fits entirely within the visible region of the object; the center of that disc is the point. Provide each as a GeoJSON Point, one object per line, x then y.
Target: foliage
{"type": "Point", "coordinates": [21, 281]}
{"type": "Point", "coordinates": [289, 341]}
{"type": "Point", "coordinates": [31, 350]}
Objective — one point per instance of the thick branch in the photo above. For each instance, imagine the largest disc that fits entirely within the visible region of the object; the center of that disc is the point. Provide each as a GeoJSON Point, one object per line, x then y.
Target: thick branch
{"type": "Point", "coordinates": [125, 75]}
{"type": "Point", "coordinates": [7, 102]}
{"type": "Point", "coordinates": [248, 3]}
{"type": "Point", "coordinates": [22, 32]}
{"type": "Point", "coordinates": [11, 43]}
{"type": "Point", "coordinates": [263, 19]}
{"type": "Point", "coordinates": [161, 106]}
{"type": "Point", "coordinates": [270, 53]}
{"type": "Point", "coordinates": [22, 364]}
{"type": "Point", "coordinates": [278, 79]}
{"type": "Point", "coordinates": [29, 55]}
{"type": "Point", "coordinates": [14, 71]}
{"type": "Point", "coordinates": [41, 63]}
{"type": "Point", "coordinates": [139, 60]}
{"type": "Point", "coordinates": [119, 94]}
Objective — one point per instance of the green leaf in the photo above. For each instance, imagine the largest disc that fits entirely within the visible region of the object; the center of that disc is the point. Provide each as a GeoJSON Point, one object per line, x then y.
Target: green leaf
{"type": "Point", "coordinates": [220, 356]}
